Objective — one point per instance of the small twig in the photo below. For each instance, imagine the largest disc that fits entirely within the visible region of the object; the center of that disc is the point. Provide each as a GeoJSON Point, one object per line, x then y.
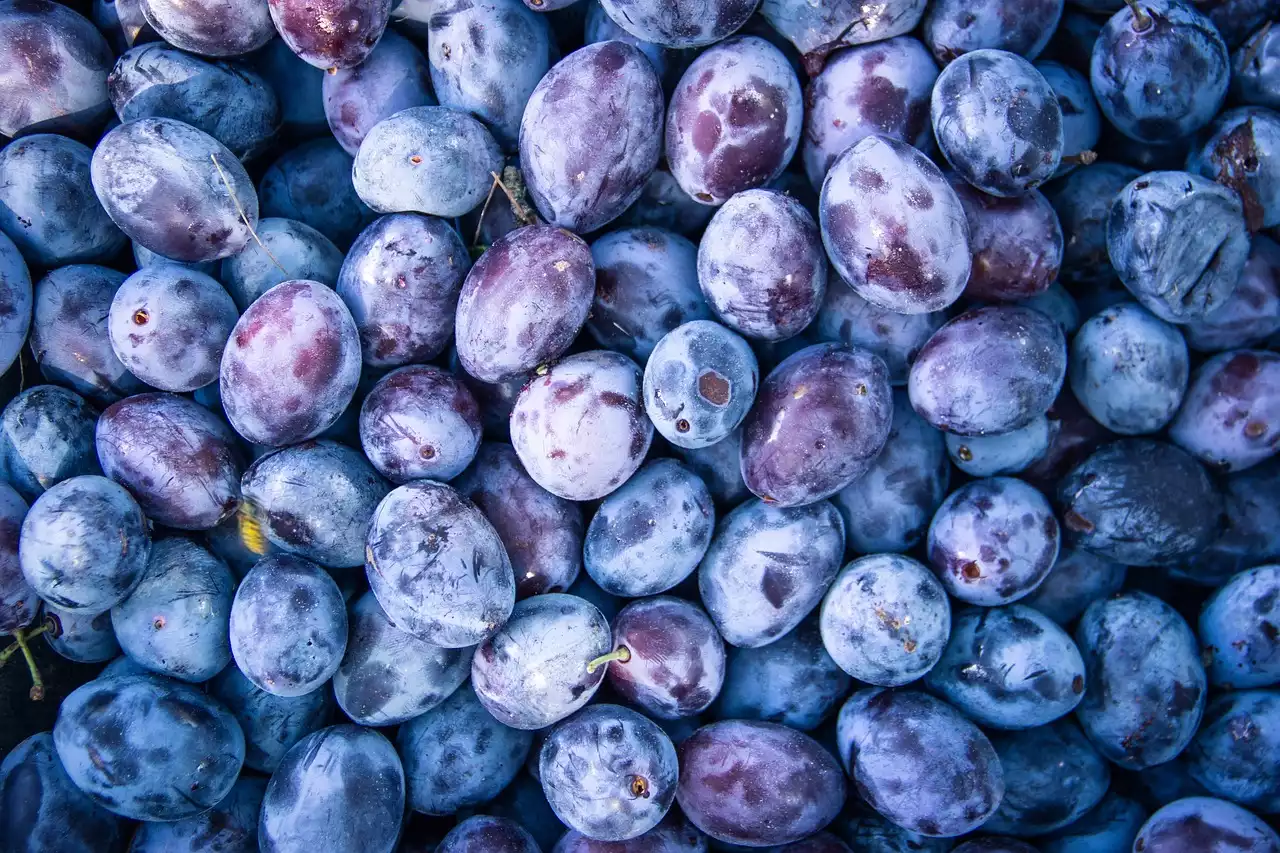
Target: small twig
{"type": "Point", "coordinates": [522, 213]}
{"type": "Point", "coordinates": [1141, 20]}
{"type": "Point", "coordinates": [1084, 158]}
{"type": "Point", "coordinates": [475, 241]}
{"type": "Point", "coordinates": [1255, 45]}
{"type": "Point", "coordinates": [243, 216]}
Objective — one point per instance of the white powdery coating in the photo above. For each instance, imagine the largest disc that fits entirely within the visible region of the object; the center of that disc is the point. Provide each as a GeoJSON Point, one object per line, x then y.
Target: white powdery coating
{"type": "Point", "coordinates": [894, 228]}
{"type": "Point", "coordinates": [158, 178]}
{"type": "Point", "coordinates": [53, 69]}
{"type": "Point", "coordinates": [1008, 453]}
{"type": "Point", "coordinates": [768, 567]}
{"type": "Point", "coordinates": [533, 672]}
{"type": "Point", "coordinates": [877, 88]}
{"type": "Point", "coordinates": [389, 676]}
{"type": "Point", "coordinates": [303, 251]}
{"type": "Point", "coordinates": [427, 159]}
{"type": "Point", "coordinates": [581, 430]}
{"type": "Point", "coordinates": [437, 566]}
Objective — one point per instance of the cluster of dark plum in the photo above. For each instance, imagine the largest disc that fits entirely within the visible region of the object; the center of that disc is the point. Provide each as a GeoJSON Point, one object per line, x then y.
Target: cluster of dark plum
{"type": "Point", "coordinates": [642, 426]}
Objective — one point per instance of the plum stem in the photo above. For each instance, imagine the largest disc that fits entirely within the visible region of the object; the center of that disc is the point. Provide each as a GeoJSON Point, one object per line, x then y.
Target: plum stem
{"type": "Point", "coordinates": [1084, 158]}
{"type": "Point", "coordinates": [1255, 45]}
{"type": "Point", "coordinates": [243, 216]}
{"type": "Point", "coordinates": [1141, 20]}
{"type": "Point", "coordinates": [518, 207]}
{"type": "Point", "coordinates": [621, 654]}
{"type": "Point", "coordinates": [20, 644]}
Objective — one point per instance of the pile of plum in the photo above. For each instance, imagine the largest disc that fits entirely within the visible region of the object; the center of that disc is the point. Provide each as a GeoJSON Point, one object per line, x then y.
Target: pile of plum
{"type": "Point", "coordinates": [642, 426]}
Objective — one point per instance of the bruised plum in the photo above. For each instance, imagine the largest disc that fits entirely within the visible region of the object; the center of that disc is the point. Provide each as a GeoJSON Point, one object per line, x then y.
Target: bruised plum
{"type": "Point", "coordinates": [580, 429]}
{"type": "Point", "coordinates": [894, 228]}
{"type": "Point", "coordinates": [1230, 417]}
{"type": "Point", "coordinates": [591, 135]}
{"type": "Point", "coordinates": [437, 566]}
{"type": "Point", "coordinates": [542, 532]}
{"type": "Point", "coordinates": [674, 665]}
{"type": "Point", "coordinates": [291, 366]}
{"type": "Point", "coordinates": [331, 33]}
{"type": "Point", "coordinates": [523, 302]}
{"type": "Point", "coordinates": [758, 784]}
{"type": "Point", "coordinates": [699, 384]}
{"type": "Point", "coordinates": [178, 459]}
{"type": "Point", "coordinates": [401, 281]}
{"type": "Point", "coordinates": [735, 119]}
{"type": "Point", "coordinates": [175, 189]}
{"type": "Point", "coordinates": [46, 436]}
{"type": "Point", "coordinates": [821, 418]}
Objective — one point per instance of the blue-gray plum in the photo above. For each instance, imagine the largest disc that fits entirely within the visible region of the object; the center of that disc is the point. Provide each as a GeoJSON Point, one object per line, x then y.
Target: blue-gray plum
{"type": "Point", "coordinates": [1081, 120]}
{"type": "Point", "coordinates": [175, 622]}
{"type": "Point", "coordinates": [16, 300]}
{"type": "Point", "coordinates": [580, 429]}
{"type": "Point", "coordinates": [1110, 827]}
{"type": "Point", "coordinates": [426, 159]}
{"type": "Point", "coordinates": [168, 325]}
{"type": "Point", "coordinates": [456, 755]}
{"type": "Point", "coordinates": [673, 835]}
{"type": "Point", "coordinates": [1238, 630]}
{"type": "Point", "coordinates": [989, 371]}
{"type": "Point", "coordinates": [298, 87]}
{"type": "Point", "coordinates": [175, 189]}
{"type": "Point", "coordinates": [880, 88]}
{"type": "Point", "coordinates": [821, 418]}
{"type": "Point", "coordinates": [1016, 243]}
{"type": "Point", "coordinates": [1078, 579]}
{"type": "Point", "coordinates": [761, 265]}
{"type": "Point", "coordinates": [340, 789]}
{"type": "Point", "coordinates": [1007, 453]}
{"type": "Point", "coordinates": [84, 545]}
{"type": "Point", "coordinates": [291, 365]}
{"type": "Point", "coordinates": [897, 338]}
{"type": "Point", "coordinates": [1129, 369]}
{"type": "Point", "coordinates": [212, 27]}
{"type": "Point", "coordinates": [1159, 70]}
{"type": "Point", "coordinates": [392, 78]}
{"type": "Point", "coordinates": [228, 101]}
{"type": "Point", "coordinates": [674, 663]}
{"type": "Point", "coordinates": [600, 27]}
{"type": "Point", "coordinates": [997, 122]}
{"type": "Point", "coordinates": [230, 826]}
{"type": "Point", "coordinates": [420, 423]}
{"type": "Point", "coordinates": [757, 784]}
{"type": "Point", "coordinates": [1205, 824]}
{"type": "Point", "coordinates": [47, 207]}
{"type": "Point", "coordinates": [541, 532]}
{"type": "Point", "coordinates": [1251, 314]}
{"type": "Point", "coordinates": [1052, 775]}
{"type": "Point", "coordinates": [41, 809]}
{"type": "Point", "coordinates": [523, 302]}
{"type": "Point", "coordinates": [699, 383]}
{"type": "Point", "coordinates": [180, 461]}
{"type": "Point", "coordinates": [651, 533]}
{"type": "Point", "coordinates": [288, 626]}
{"type": "Point", "coordinates": [1144, 683]}
{"type": "Point", "coordinates": [993, 541]}
{"type": "Point", "coordinates": [1203, 219]}
{"type": "Point", "coordinates": [543, 664]}
{"type": "Point", "coordinates": [53, 74]}
{"type": "Point", "coordinates": [148, 748]}
{"type": "Point", "coordinates": [289, 250]}
{"type": "Point", "coordinates": [122, 23]}
{"type": "Point", "coordinates": [69, 331]}
{"type": "Point", "coordinates": [144, 257]}
{"type": "Point", "coordinates": [271, 724]}
{"type": "Point", "coordinates": [735, 119]}
{"type": "Point", "coordinates": [885, 620]}
{"type": "Point", "coordinates": [81, 637]}
{"type": "Point", "coordinates": [1234, 754]}
{"type": "Point", "coordinates": [646, 286]}
{"type": "Point", "coordinates": [18, 601]}
{"type": "Point", "coordinates": [894, 228]}
{"type": "Point", "coordinates": [1082, 201]}
{"type": "Point", "coordinates": [1230, 416]}
{"type": "Point", "coordinates": [331, 33]}
{"type": "Point", "coordinates": [389, 676]}
{"type": "Point", "coordinates": [484, 834]}
{"type": "Point", "coordinates": [312, 184]}
{"type": "Point", "coordinates": [768, 568]}
{"type": "Point", "coordinates": [591, 135]}
{"type": "Point", "coordinates": [524, 802]}
{"type": "Point", "coordinates": [918, 762]}
{"type": "Point", "coordinates": [1140, 502]}
{"type": "Point", "coordinates": [720, 469]}
{"type": "Point", "coordinates": [608, 772]}
{"type": "Point", "coordinates": [315, 500]}
{"type": "Point", "coordinates": [792, 681]}
{"type": "Point", "coordinates": [679, 24]}
{"type": "Point", "coordinates": [1254, 69]}
{"type": "Point", "coordinates": [437, 566]}
{"type": "Point", "coordinates": [888, 508]}
{"type": "Point", "coordinates": [953, 28]}
{"type": "Point", "coordinates": [663, 204]}
{"type": "Point", "coordinates": [1009, 668]}
{"type": "Point", "coordinates": [401, 281]}
{"type": "Point", "coordinates": [46, 436]}
{"type": "Point", "coordinates": [486, 58]}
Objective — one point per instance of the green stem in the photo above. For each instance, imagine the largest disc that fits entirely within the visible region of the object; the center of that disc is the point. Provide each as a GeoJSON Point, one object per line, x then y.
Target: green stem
{"type": "Point", "coordinates": [621, 654]}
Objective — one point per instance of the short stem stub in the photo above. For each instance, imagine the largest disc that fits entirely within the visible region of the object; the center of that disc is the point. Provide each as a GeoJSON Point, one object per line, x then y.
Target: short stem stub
{"type": "Point", "coordinates": [1141, 20]}
{"type": "Point", "coordinates": [622, 654]}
